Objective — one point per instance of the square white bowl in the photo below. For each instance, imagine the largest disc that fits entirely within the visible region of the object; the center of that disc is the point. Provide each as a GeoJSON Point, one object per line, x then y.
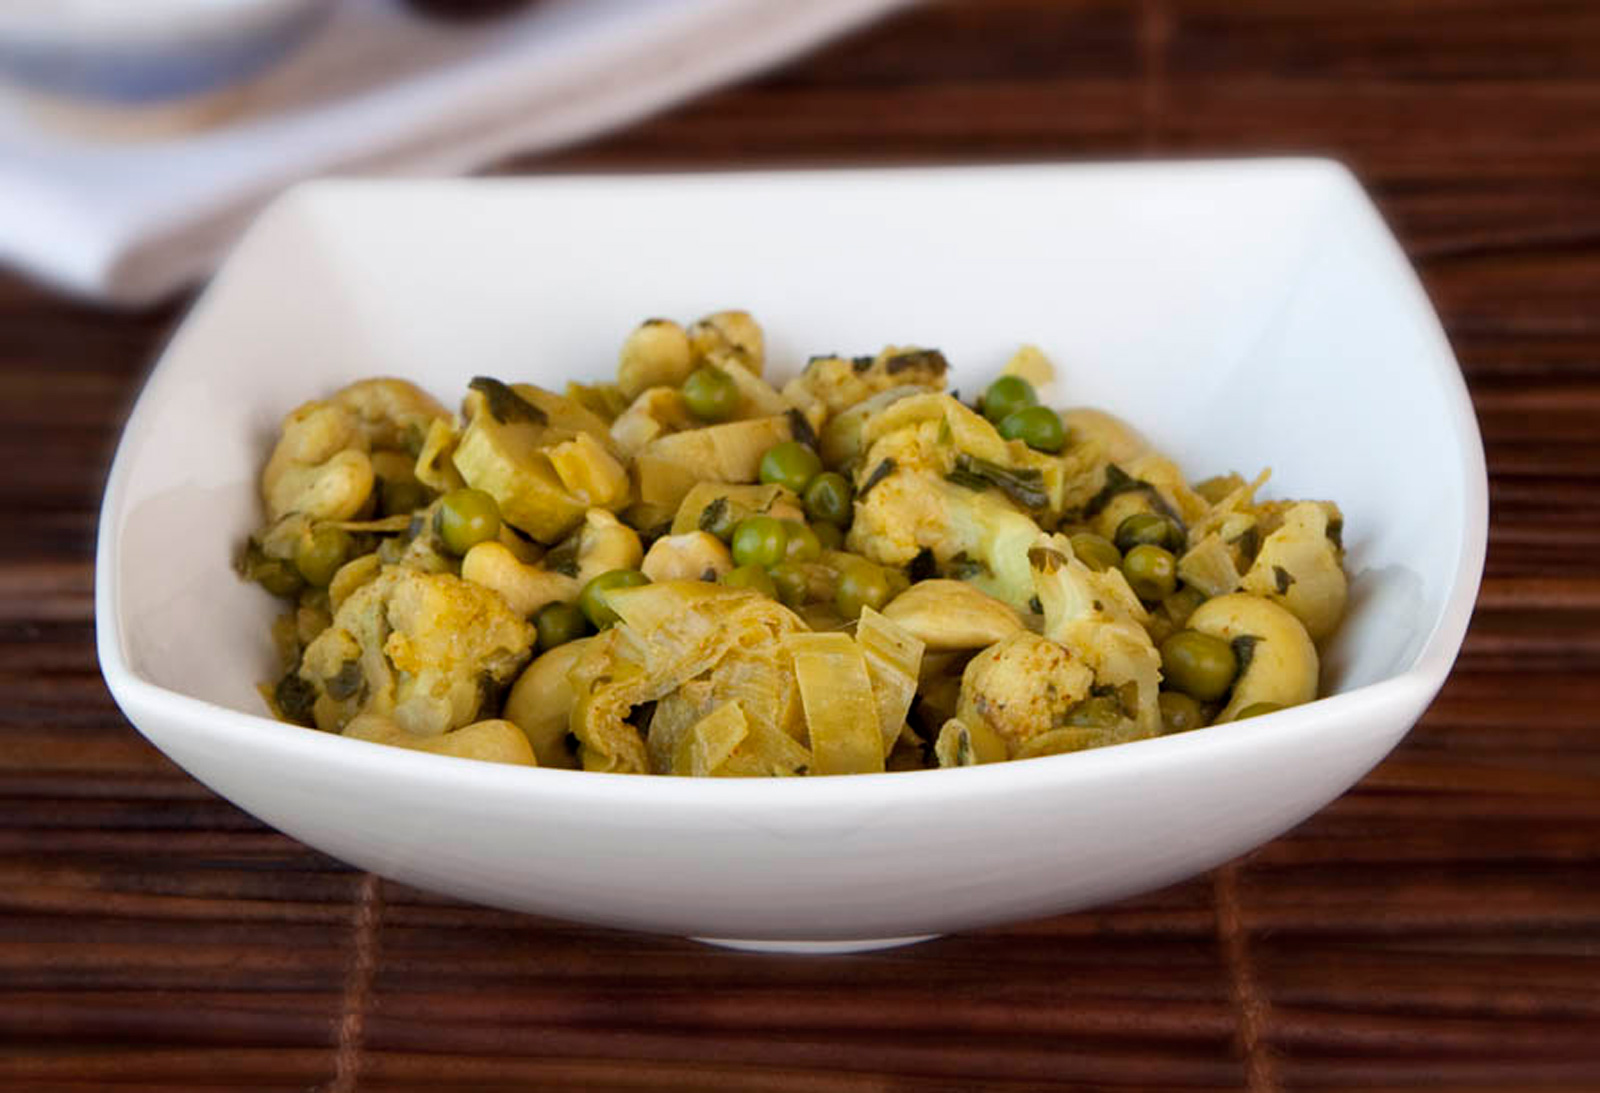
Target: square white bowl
{"type": "Point", "coordinates": [1243, 314]}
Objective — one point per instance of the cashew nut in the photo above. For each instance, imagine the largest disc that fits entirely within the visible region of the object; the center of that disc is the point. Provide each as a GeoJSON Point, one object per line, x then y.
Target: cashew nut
{"type": "Point", "coordinates": [606, 543]}
{"type": "Point", "coordinates": [540, 703]}
{"type": "Point", "coordinates": [319, 466]}
{"type": "Point", "coordinates": [692, 556]}
{"type": "Point", "coordinates": [1279, 663]}
{"type": "Point", "coordinates": [656, 354]}
{"type": "Point", "coordinates": [391, 413]}
{"type": "Point", "coordinates": [603, 543]}
{"type": "Point", "coordinates": [947, 615]}
{"type": "Point", "coordinates": [492, 741]}
{"type": "Point", "coordinates": [525, 588]}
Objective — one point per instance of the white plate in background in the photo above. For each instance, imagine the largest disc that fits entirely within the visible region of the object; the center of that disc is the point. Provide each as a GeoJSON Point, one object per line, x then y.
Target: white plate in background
{"type": "Point", "coordinates": [129, 206]}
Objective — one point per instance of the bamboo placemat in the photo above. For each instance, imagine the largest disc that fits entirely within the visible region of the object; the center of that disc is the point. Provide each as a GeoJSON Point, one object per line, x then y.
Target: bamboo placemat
{"type": "Point", "coordinates": [1439, 926]}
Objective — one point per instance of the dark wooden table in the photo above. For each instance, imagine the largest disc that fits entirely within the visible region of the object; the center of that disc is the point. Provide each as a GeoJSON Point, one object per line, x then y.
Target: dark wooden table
{"type": "Point", "coordinates": [1439, 926]}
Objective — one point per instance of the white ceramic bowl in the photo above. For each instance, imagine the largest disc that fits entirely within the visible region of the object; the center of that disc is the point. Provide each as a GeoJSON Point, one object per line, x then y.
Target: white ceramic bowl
{"type": "Point", "coordinates": [1244, 314]}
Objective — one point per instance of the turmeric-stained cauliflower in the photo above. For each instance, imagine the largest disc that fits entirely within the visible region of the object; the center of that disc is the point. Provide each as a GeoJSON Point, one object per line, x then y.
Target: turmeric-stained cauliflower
{"type": "Point", "coordinates": [1089, 679]}
{"type": "Point", "coordinates": [428, 650]}
{"type": "Point", "coordinates": [938, 477]}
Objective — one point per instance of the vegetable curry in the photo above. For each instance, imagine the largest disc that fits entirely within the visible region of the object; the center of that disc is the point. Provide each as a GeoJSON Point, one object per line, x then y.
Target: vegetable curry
{"type": "Point", "coordinates": [693, 570]}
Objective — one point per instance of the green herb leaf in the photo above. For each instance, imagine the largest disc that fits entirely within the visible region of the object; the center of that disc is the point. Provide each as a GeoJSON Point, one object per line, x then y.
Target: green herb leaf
{"type": "Point", "coordinates": [563, 557]}
{"type": "Point", "coordinates": [713, 515]}
{"type": "Point", "coordinates": [295, 698]}
{"type": "Point", "coordinates": [347, 682]}
{"type": "Point", "coordinates": [879, 473]}
{"type": "Point", "coordinates": [1244, 648]}
{"type": "Point", "coordinates": [929, 360]}
{"type": "Point", "coordinates": [963, 568]}
{"type": "Point", "coordinates": [1024, 486]}
{"type": "Point", "coordinates": [505, 405]}
{"type": "Point", "coordinates": [800, 428]}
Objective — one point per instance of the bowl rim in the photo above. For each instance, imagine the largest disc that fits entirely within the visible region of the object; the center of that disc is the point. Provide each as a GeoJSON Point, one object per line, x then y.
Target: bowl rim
{"type": "Point", "coordinates": [141, 699]}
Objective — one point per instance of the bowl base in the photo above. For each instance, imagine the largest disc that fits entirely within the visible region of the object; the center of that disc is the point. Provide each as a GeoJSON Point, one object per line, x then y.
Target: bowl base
{"type": "Point", "coordinates": [814, 948]}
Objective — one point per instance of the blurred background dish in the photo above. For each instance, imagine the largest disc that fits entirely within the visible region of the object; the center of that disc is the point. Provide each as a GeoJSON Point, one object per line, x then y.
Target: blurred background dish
{"type": "Point", "coordinates": [129, 203]}
{"type": "Point", "coordinates": [149, 51]}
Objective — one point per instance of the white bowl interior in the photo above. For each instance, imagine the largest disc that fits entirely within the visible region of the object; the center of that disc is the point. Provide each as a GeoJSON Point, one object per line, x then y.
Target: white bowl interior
{"type": "Point", "coordinates": [1243, 315]}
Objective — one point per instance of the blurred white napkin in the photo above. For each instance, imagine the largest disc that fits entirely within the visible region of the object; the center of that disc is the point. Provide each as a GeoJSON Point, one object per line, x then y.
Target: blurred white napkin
{"type": "Point", "coordinates": [129, 216]}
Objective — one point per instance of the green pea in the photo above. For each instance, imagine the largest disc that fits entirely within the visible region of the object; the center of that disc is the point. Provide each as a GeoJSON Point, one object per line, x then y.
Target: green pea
{"type": "Point", "coordinates": [1149, 528]}
{"type": "Point", "coordinates": [466, 518]}
{"type": "Point", "coordinates": [1152, 572]}
{"type": "Point", "coordinates": [278, 578]}
{"type": "Point", "coordinates": [760, 540]}
{"type": "Point", "coordinates": [1096, 551]}
{"type": "Point", "coordinates": [711, 394]}
{"type": "Point", "coordinates": [830, 536]}
{"type": "Point", "coordinates": [1179, 712]}
{"type": "Point", "coordinates": [790, 464]}
{"type": "Point", "coordinates": [752, 577]}
{"type": "Point", "coordinates": [1039, 427]}
{"type": "Point", "coordinates": [592, 600]}
{"type": "Point", "coordinates": [1099, 712]}
{"type": "Point", "coordinates": [791, 582]}
{"type": "Point", "coordinates": [861, 584]}
{"type": "Point", "coordinates": [559, 623]}
{"type": "Point", "coordinates": [1198, 664]}
{"type": "Point", "coordinates": [803, 544]}
{"type": "Point", "coordinates": [319, 555]}
{"type": "Point", "coordinates": [1183, 603]}
{"type": "Point", "coordinates": [829, 498]}
{"type": "Point", "coordinates": [402, 497]}
{"type": "Point", "coordinates": [1257, 709]}
{"type": "Point", "coordinates": [1006, 396]}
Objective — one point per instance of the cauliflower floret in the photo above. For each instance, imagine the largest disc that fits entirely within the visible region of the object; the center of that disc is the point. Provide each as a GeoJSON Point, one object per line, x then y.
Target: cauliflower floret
{"type": "Point", "coordinates": [1300, 567]}
{"type": "Point", "coordinates": [425, 649]}
{"type": "Point", "coordinates": [837, 383]}
{"type": "Point", "coordinates": [980, 537]}
{"type": "Point", "coordinates": [1091, 678]}
{"type": "Point", "coordinates": [1023, 686]}
{"type": "Point", "coordinates": [1099, 618]}
{"type": "Point", "coordinates": [938, 477]}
